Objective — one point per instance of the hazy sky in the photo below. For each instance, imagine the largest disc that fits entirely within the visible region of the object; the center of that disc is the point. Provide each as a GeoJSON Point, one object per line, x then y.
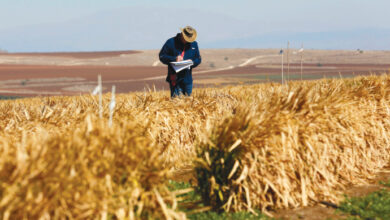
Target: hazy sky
{"type": "Point", "coordinates": [306, 15]}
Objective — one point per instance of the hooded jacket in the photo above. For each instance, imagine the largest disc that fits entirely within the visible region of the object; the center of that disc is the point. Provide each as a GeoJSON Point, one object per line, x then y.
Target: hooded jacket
{"type": "Point", "coordinates": [173, 48]}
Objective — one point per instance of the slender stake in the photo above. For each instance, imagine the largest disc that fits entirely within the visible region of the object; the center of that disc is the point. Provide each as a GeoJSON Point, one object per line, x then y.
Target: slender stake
{"type": "Point", "coordinates": [282, 70]}
{"type": "Point", "coordinates": [302, 62]}
{"type": "Point", "coordinates": [288, 60]}
{"type": "Point", "coordinates": [100, 96]}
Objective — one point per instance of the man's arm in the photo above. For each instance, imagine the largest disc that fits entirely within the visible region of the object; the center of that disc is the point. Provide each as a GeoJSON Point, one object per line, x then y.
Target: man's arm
{"type": "Point", "coordinates": [164, 55]}
{"type": "Point", "coordinates": [197, 59]}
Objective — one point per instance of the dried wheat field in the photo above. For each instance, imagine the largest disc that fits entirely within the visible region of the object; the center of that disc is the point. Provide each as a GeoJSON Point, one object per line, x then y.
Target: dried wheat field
{"type": "Point", "coordinates": [250, 147]}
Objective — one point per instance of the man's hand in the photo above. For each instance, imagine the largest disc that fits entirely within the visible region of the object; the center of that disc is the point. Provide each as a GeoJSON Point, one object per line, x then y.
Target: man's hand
{"type": "Point", "coordinates": [179, 58]}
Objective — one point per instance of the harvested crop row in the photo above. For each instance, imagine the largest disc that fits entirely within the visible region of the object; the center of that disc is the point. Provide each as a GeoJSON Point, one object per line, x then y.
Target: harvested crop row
{"type": "Point", "coordinates": [303, 143]}
{"type": "Point", "coordinates": [173, 124]}
{"type": "Point", "coordinates": [93, 172]}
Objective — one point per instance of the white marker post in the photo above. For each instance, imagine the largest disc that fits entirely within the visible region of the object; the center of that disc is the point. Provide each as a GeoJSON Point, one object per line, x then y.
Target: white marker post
{"type": "Point", "coordinates": [112, 106]}
{"type": "Point", "coordinates": [98, 90]}
{"type": "Point", "coordinates": [301, 52]}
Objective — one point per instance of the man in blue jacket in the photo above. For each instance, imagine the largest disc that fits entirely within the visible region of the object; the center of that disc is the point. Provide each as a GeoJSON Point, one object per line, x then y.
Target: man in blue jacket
{"type": "Point", "coordinates": [179, 48]}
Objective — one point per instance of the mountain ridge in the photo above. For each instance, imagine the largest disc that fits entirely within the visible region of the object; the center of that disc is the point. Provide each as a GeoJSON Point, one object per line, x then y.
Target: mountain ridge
{"type": "Point", "coordinates": [139, 28]}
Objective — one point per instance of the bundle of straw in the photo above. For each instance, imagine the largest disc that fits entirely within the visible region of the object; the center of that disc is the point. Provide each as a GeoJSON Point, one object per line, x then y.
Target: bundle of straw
{"type": "Point", "coordinates": [301, 144]}
{"type": "Point", "coordinates": [94, 172]}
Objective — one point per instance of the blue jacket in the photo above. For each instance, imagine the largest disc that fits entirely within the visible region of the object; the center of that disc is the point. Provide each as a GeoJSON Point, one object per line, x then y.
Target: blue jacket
{"type": "Point", "coordinates": [173, 48]}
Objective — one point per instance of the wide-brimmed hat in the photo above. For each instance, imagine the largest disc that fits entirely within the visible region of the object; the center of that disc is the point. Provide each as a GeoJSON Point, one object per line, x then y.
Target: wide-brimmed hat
{"type": "Point", "coordinates": [188, 33]}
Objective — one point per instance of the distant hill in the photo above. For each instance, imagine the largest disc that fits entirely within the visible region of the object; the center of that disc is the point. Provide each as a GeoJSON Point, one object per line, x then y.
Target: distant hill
{"type": "Point", "coordinates": [137, 28]}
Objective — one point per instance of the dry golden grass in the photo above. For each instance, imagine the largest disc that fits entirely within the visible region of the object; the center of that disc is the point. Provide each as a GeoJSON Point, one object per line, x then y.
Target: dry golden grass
{"type": "Point", "coordinates": [91, 172]}
{"type": "Point", "coordinates": [260, 146]}
{"type": "Point", "coordinates": [173, 124]}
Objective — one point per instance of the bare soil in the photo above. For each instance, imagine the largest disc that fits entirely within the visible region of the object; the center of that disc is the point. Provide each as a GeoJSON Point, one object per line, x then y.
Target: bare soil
{"type": "Point", "coordinates": [57, 80]}
{"type": "Point", "coordinates": [78, 55]}
{"type": "Point", "coordinates": [70, 80]}
{"type": "Point", "coordinates": [64, 73]}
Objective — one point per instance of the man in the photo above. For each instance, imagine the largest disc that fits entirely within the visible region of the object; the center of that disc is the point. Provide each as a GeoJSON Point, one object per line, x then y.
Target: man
{"type": "Point", "coordinates": [179, 48]}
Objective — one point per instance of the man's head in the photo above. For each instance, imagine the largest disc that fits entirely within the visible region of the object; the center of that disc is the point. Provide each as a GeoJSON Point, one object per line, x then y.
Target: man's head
{"type": "Point", "coordinates": [188, 34]}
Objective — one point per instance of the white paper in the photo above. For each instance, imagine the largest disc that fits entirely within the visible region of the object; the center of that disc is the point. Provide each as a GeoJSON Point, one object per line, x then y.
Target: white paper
{"type": "Point", "coordinates": [181, 65]}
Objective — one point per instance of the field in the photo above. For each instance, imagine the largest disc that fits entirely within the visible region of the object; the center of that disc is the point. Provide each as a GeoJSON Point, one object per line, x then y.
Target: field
{"type": "Point", "coordinates": [242, 143]}
{"type": "Point", "coordinates": [261, 147]}
{"type": "Point", "coordinates": [32, 74]}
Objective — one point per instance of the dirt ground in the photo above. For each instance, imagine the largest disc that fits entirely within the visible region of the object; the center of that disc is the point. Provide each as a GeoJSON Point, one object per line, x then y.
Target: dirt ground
{"type": "Point", "coordinates": [72, 80]}
{"type": "Point", "coordinates": [77, 55]}
{"type": "Point", "coordinates": [212, 59]}
{"type": "Point", "coordinates": [322, 212]}
{"type": "Point", "coordinates": [28, 80]}
{"type": "Point", "coordinates": [31, 74]}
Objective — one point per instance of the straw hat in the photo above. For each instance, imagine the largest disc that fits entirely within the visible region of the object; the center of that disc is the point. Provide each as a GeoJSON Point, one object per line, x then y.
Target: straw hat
{"type": "Point", "coordinates": [188, 33]}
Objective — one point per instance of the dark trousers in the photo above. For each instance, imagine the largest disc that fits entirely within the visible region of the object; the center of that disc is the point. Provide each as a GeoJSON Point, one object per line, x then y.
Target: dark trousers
{"type": "Point", "coordinates": [180, 89]}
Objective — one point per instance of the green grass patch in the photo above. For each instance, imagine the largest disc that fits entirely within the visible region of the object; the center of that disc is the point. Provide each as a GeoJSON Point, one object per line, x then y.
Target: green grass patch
{"type": "Point", "coordinates": [5, 97]}
{"type": "Point", "coordinates": [374, 206]}
{"type": "Point", "coordinates": [189, 197]}
{"type": "Point", "coordinates": [226, 216]}
{"type": "Point", "coordinates": [387, 184]}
